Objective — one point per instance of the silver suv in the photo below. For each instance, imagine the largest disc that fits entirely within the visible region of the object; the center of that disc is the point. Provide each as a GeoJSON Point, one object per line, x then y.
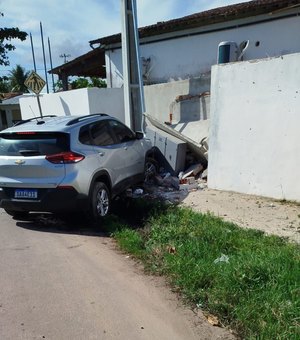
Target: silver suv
{"type": "Point", "coordinates": [70, 163]}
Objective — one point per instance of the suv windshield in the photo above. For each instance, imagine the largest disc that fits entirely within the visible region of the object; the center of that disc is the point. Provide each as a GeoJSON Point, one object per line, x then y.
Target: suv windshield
{"type": "Point", "coordinates": [31, 143]}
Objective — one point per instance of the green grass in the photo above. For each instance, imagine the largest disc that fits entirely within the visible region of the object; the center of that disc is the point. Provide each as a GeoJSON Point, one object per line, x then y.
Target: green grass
{"type": "Point", "coordinates": [257, 292]}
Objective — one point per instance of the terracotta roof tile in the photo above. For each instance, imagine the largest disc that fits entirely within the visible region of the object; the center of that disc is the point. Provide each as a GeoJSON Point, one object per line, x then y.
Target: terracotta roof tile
{"type": "Point", "coordinates": [216, 15]}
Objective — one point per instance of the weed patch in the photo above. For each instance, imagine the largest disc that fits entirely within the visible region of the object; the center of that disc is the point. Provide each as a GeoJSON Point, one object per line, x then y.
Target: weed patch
{"type": "Point", "coordinates": [251, 281]}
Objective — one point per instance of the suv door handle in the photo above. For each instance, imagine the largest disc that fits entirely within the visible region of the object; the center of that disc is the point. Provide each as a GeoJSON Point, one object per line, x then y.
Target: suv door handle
{"type": "Point", "coordinates": [101, 154]}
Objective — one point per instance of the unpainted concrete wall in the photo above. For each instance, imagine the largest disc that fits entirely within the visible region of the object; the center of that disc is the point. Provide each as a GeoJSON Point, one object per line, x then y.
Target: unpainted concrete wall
{"type": "Point", "coordinates": [160, 98]}
{"type": "Point", "coordinates": [255, 125]}
{"type": "Point", "coordinates": [191, 108]}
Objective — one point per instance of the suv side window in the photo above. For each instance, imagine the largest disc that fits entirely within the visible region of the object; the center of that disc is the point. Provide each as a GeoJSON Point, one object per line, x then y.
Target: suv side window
{"type": "Point", "coordinates": [121, 131]}
{"type": "Point", "coordinates": [84, 135]}
{"type": "Point", "coordinates": [101, 134]}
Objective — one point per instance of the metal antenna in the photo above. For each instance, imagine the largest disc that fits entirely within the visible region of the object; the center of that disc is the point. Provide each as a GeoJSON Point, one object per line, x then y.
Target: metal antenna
{"type": "Point", "coordinates": [65, 56]}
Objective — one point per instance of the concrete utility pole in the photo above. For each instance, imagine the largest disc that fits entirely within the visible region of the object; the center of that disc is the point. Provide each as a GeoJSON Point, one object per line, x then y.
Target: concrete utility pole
{"type": "Point", "coordinates": [44, 57]}
{"type": "Point", "coordinates": [51, 65]}
{"type": "Point", "coordinates": [132, 76]}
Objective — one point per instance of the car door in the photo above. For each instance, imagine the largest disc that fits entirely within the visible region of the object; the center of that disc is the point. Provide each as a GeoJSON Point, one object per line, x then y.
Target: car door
{"type": "Point", "coordinates": [135, 160]}
{"type": "Point", "coordinates": [111, 155]}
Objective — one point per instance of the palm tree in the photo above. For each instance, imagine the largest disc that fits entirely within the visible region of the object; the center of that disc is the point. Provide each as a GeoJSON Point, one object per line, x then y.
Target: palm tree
{"type": "Point", "coordinates": [17, 78]}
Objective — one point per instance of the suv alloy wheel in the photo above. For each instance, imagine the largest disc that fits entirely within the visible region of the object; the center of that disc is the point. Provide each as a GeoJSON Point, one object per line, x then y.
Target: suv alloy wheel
{"type": "Point", "coordinates": [100, 201]}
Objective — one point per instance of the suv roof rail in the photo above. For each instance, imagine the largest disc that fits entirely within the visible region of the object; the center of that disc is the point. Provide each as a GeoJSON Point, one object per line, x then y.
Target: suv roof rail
{"type": "Point", "coordinates": [78, 119]}
{"type": "Point", "coordinates": [34, 118]}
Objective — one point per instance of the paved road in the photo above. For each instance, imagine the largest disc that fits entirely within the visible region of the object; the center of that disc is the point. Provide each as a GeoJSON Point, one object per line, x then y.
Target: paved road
{"type": "Point", "coordinates": [73, 284]}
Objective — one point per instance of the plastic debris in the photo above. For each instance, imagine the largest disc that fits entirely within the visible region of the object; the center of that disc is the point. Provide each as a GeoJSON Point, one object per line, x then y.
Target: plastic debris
{"type": "Point", "coordinates": [138, 191]}
{"type": "Point", "coordinates": [167, 175]}
{"type": "Point", "coordinates": [180, 175]}
{"type": "Point", "coordinates": [222, 258]}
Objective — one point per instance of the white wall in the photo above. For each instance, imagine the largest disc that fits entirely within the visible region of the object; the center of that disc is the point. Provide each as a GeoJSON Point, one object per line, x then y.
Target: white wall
{"type": "Point", "coordinates": [75, 102]}
{"type": "Point", "coordinates": [106, 100]}
{"type": "Point", "coordinates": [255, 127]}
{"type": "Point", "coordinates": [192, 56]}
{"type": "Point", "coordinates": [114, 68]}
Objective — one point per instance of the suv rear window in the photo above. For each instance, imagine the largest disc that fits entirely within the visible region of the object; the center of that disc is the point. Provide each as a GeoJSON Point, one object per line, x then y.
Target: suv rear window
{"type": "Point", "coordinates": [33, 144]}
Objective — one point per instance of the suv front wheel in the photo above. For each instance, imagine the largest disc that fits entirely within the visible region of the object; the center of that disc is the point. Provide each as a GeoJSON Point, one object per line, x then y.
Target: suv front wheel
{"type": "Point", "coordinates": [100, 201]}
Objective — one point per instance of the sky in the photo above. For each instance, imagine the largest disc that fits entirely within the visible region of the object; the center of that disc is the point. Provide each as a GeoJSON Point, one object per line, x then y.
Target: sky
{"type": "Point", "coordinates": [71, 24]}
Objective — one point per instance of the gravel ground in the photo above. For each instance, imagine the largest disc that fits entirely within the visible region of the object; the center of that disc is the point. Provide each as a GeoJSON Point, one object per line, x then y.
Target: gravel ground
{"type": "Point", "coordinates": [266, 214]}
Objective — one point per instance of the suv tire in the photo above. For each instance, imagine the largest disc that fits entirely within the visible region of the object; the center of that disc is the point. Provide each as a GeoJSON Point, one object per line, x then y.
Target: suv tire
{"type": "Point", "coordinates": [151, 168]}
{"type": "Point", "coordinates": [100, 201]}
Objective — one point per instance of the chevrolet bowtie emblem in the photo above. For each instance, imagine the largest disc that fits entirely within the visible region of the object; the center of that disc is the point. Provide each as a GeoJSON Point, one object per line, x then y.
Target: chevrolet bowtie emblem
{"type": "Point", "coordinates": [19, 162]}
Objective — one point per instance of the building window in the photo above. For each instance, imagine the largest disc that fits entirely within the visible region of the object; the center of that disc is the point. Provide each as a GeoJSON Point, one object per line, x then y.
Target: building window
{"type": "Point", "coordinates": [3, 119]}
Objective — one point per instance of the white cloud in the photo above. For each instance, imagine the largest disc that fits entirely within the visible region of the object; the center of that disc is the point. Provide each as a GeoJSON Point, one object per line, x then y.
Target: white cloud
{"type": "Point", "coordinates": [71, 24]}
{"type": "Point", "coordinates": [149, 11]}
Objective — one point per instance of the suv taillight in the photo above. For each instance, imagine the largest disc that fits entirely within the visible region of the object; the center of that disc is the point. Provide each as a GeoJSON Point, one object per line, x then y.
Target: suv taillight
{"type": "Point", "coordinates": [65, 158]}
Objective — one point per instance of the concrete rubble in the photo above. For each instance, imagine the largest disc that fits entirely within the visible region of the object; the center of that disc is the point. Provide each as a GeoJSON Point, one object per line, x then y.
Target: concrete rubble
{"type": "Point", "coordinates": [172, 189]}
{"type": "Point", "coordinates": [181, 148]}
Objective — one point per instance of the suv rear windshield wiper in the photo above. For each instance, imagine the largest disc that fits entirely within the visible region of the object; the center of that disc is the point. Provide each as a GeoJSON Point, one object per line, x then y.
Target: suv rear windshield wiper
{"type": "Point", "coordinates": [29, 152]}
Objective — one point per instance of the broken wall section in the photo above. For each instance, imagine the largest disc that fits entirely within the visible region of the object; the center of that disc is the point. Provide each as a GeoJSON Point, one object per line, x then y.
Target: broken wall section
{"type": "Point", "coordinates": [254, 144]}
{"type": "Point", "coordinates": [182, 109]}
{"type": "Point", "coordinates": [160, 99]}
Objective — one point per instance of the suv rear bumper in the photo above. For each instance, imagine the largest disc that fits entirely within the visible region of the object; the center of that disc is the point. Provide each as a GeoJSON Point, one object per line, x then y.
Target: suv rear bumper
{"type": "Point", "coordinates": [49, 200]}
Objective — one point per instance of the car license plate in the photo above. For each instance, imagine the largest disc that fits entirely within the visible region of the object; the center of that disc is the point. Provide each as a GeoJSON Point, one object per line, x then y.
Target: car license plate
{"type": "Point", "coordinates": [26, 193]}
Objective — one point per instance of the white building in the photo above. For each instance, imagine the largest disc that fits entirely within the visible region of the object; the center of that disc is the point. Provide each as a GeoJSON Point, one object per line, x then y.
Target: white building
{"type": "Point", "coordinates": [10, 111]}
{"type": "Point", "coordinates": [187, 47]}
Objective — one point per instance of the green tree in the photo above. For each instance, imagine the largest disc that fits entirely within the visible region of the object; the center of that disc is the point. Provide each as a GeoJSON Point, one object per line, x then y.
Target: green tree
{"type": "Point", "coordinates": [17, 78]}
{"type": "Point", "coordinates": [82, 82]}
{"type": "Point", "coordinates": [58, 86]}
{"type": "Point", "coordinates": [97, 82]}
{"type": "Point", "coordinates": [79, 83]}
{"type": "Point", "coordinates": [6, 35]}
{"type": "Point", "coordinates": [4, 85]}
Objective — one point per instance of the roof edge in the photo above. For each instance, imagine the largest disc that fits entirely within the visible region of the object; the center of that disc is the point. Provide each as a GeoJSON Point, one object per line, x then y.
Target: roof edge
{"type": "Point", "coordinates": [212, 16]}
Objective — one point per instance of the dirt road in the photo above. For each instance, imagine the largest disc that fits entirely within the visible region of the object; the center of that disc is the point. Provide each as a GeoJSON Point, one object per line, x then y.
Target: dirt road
{"type": "Point", "coordinates": [74, 284]}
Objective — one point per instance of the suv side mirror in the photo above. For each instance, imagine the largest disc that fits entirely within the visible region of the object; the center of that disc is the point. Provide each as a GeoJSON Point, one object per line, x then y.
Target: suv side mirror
{"type": "Point", "coordinates": [139, 135]}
